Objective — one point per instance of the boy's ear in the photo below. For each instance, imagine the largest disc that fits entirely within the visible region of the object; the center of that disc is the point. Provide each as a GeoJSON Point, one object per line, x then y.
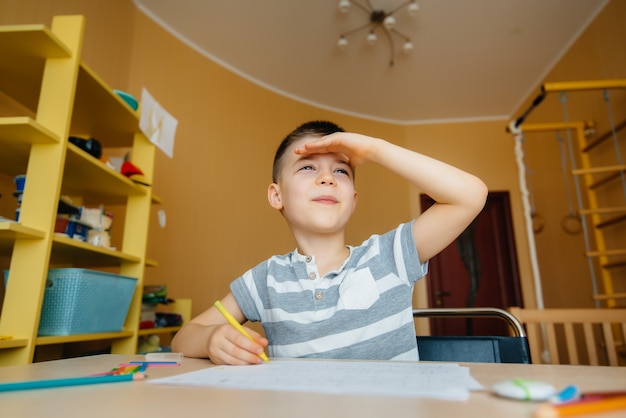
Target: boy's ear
{"type": "Point", "coordinates": [273, 196]}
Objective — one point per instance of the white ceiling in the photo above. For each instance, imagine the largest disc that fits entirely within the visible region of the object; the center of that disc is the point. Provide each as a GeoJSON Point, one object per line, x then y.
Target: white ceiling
{"type": "Point", "coordinates": [472, 59]}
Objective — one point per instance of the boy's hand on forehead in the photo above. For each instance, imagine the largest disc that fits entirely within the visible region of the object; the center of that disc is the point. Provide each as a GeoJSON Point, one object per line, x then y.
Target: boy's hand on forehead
{"type": "Point", "coordinates": [356, 148]}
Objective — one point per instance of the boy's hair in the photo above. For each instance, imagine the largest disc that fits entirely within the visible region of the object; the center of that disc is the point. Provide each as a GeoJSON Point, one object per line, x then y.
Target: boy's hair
{"type": "Point", "coordinates": [314, 128]}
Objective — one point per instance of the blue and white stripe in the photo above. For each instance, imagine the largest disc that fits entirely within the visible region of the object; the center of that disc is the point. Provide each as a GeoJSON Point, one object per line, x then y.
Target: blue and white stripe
{"type": "Point", "coordinates": [362, 311]}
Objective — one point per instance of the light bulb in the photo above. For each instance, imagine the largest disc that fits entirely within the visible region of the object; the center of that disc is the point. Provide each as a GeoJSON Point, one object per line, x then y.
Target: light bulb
{"type": "Point", "coordinates": [413, 8]}
{"type": "Point", "coordinates": [407, 47]}
{"type": "Point", "coordinates": [371, 38]}
{"type": "Point", "coordinates": [389, 22]}
{"type": "Point", "coordinates": [344, 5]}
{"type": "Point", "coordinates": [342, 42]}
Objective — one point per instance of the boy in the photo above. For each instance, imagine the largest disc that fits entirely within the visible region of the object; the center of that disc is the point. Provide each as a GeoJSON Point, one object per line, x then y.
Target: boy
{"type": "Point", "coordinates": [327, 299]}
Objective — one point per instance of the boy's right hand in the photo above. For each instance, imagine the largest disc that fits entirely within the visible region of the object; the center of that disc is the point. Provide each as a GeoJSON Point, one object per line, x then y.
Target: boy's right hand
{"type": "Point", "coordinates": [226, 345]}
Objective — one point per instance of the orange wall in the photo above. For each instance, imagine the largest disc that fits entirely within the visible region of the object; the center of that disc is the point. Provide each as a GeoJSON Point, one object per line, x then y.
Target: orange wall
{"type": "Point", "coordinates": [214, 189]}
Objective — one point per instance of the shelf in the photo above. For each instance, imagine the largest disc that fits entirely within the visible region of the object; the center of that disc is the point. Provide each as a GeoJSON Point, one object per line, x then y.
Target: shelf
{"type": "Point", "coordinates": [36, 41]}
{"type": "Point", "coordinates": [43, 80]}
{"type": "Point", "coordinates": [98, 111]}
{"type": "Point", "coordinates": [101, 114]}
{"type": "Point", "coordinates": [66, 250]}
{"type": "Point", "coordinates": [90, 179]}
{"type": "Point", "coordinates": [11, 231]}
{"type": "Point", "coordinates": [13, 343]}
{"type": "Point", "coordinates": [17, 134]}
{"type": "Point", "coordinates": [24, 49]}
{"type": "Point", "coordinates": [62, 339]}
{"type": "Point", "coordinates": [162, 330]}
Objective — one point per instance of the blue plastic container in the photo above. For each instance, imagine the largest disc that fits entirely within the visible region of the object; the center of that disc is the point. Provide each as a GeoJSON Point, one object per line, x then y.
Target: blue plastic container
{"type": "Point", "coordinates": [81, 301]}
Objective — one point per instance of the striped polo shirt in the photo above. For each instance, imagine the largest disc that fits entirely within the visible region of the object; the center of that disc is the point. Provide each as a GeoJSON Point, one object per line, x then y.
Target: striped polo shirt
{"type": "Point", "coordinates": [361, 311]}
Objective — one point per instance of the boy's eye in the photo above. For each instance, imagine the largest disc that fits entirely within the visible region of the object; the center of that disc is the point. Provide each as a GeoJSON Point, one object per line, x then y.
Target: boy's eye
{"type": "Point", "coordinates": [306, 167]}
{"type": "Point", "coordinates": [343, 171]}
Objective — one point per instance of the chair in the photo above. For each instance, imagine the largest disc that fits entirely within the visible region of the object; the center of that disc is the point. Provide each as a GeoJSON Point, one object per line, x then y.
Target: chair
{"type": "Point", "coordinates": [575, 336]}
{"type": "Point", "coordinates": [476, 349]}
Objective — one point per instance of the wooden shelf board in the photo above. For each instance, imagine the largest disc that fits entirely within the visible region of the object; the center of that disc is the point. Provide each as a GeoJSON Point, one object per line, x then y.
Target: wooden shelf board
{"type": "Point", "coordinates": [90, 179]}
{"type": "Point", "coordinates": [25, 129]}
{"type": "Point", "coordinates": [13, 343]}
{"type": "Point", "coordinates": [61, 339]}
{"type": "Point", "coordinates": [17, 134]}
{"type": "Point", "coordinates": [31, 40]}
{"type": "Point", "coordinates": [11, 231]}
{"type": "Point", "coordinates": [163, 330]}
{"type": "Point", "coordinates": [100, 113]}
{"type": "Point", "coordinates": [151, 263]}
{"type": "Point", "coordinates": [24, 49]}
{"type": "Point", "coordinates": [66, 250]}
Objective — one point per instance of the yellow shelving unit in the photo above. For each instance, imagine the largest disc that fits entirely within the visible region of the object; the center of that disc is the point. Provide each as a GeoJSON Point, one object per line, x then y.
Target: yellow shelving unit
{"type": "Point", "coordinates": [42, 71]}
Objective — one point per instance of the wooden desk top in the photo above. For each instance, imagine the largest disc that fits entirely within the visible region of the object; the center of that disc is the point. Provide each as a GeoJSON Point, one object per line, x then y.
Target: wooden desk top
{"type": "Point", "coordinates": [138, 399]}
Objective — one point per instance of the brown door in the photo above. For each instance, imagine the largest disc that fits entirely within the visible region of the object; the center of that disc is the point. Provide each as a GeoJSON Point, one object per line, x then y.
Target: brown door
{"type": "Point", "coordinates": [479, 269]}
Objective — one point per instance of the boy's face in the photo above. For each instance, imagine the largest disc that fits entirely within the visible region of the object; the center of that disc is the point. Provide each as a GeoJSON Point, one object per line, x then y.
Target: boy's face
{"type": "Point", "coordinates": [315, 192]}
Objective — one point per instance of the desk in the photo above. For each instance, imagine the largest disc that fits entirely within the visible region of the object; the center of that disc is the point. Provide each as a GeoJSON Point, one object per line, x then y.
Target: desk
{"type": "Point", "coordinates": [138, 399]}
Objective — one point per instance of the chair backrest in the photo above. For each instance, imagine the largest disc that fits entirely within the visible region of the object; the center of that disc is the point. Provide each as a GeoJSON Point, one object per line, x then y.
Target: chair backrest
{"type": "Point", "coordinates": [483, 349]}
{"type": "Point", "coordinates": [575, 336]}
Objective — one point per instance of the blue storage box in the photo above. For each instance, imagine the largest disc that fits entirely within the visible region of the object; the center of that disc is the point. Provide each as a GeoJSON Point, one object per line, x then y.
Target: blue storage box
{"type": "Point", "coordinates": [81, 301]}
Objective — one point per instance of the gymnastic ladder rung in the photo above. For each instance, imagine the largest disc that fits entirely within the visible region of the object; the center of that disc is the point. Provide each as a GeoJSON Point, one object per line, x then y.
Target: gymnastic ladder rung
{"type": "Point", "coordinates": [605, 253]}
{"type": "Point", "coordinates": [601, 211]}
{"type": "Point", "coordinates": [612, 296]}
{"type": "Point", "coordinates": [599, 170]}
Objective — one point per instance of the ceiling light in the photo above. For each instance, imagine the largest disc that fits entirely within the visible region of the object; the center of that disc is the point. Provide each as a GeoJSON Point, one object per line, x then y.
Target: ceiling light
{"type": "Point", "coordinates": [379, 21]}
{"type": "Point", "coordinates": [342, 42]}
{"type": "Point", "coordinates": [389, 22]}
{"type": "Point", "coordinates": [372, 38]}
{"type": "Point", "coordinates": [407, 47]}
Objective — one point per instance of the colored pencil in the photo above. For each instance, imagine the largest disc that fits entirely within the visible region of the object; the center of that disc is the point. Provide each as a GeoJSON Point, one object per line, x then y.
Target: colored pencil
{"type": "Point", "coordinates": [611, 403]}
{"type": "Point", "coordinates": [155, 363]}
{"type": "Point", "coordinates": [71, 381]}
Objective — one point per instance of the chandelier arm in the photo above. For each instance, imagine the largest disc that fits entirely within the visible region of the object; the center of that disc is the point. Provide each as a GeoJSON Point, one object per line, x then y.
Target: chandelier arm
{"type": "Point", "coordinates": [350, 32]}
{"type": "Point", "coordinates": [406, 3]}
{"type": "Point", "coordinates": [397, 32]}
{"type": "Point", "coordinates": [363, 7]}
{"type": "Point", "coordinates": [392, 51]}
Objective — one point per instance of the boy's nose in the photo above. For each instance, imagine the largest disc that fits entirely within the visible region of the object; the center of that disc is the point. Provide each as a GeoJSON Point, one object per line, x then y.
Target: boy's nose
{"type": "Point", "coordinates": [326, 178]}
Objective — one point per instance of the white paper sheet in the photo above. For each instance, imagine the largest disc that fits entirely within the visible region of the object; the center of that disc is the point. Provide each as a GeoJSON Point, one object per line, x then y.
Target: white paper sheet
{"type": "Point", "coordinates": [406, 379]}
{"type": "Point", "coordinates": [157, 124]}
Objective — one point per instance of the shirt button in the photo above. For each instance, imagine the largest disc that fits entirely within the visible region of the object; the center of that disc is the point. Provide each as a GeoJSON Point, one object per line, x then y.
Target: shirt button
{"type": "Point", "coordinates": [308, 259]}
{"type": "Point", "coordinates": [312, 276]}
{"type": "Point", "coordinates": [319, 295]}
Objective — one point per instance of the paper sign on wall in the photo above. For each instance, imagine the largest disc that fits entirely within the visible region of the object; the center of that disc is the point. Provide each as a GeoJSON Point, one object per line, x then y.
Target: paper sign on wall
{"type": "Point", "coordinates": [157, 124]}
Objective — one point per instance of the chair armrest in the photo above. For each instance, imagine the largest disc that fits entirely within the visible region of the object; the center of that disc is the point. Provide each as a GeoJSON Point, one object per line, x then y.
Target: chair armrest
{"type": "Point", "coordinates": [513, 322]}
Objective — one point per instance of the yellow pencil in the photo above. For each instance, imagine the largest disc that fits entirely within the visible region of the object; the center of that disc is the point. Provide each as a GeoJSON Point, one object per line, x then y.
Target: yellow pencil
{"type": "Point", "coordinates": [581, 407]}
{"type": "Point", "coordinates": [232, 321]}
